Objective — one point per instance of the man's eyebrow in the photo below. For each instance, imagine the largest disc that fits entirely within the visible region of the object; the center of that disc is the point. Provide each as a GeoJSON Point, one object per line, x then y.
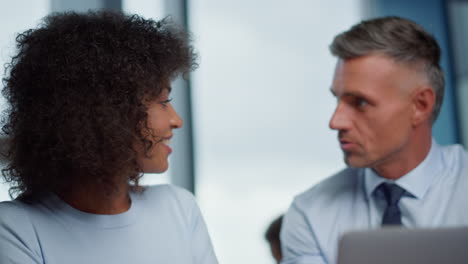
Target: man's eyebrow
{"type": "Point", "coordinates": [354, 94]}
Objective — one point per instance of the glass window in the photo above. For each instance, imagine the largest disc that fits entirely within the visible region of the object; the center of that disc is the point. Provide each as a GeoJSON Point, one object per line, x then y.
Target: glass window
{"type": "Point", "coordinates": [15, 17]}
{"type": "Point", "coordinates": [154, 9]}
{"type": "Point", "coordinates": [261, 105]}
{"type": "Point", "coordinates": [458, 18]}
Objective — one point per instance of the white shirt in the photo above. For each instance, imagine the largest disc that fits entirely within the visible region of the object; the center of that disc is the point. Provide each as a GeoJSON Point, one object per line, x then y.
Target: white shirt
{"type": "Point", "coordinates": [436, 197]}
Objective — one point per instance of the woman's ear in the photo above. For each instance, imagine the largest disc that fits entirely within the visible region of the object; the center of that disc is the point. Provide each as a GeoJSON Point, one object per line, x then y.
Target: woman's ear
{"type": "Point", "coordinates": [423, 105]}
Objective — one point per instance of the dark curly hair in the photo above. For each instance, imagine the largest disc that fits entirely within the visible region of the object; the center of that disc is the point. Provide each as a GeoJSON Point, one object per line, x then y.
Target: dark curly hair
{"type": "Point", "coordinates": [272, 235]}
{"type": "Point", "coordinates": [76, 91]}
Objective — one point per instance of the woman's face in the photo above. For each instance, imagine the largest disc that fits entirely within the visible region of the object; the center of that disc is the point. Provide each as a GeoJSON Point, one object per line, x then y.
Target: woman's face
{"type": "Point", "coordinates": [162, 119]}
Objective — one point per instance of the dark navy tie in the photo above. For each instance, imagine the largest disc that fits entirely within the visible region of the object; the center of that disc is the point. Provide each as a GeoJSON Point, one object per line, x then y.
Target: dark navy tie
{"type": "Point", "coordinates": [392, 194]}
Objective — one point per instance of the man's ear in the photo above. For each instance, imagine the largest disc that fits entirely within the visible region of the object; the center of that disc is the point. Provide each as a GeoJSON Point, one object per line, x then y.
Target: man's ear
{"type": "Point", "coordinates": [423, 104]}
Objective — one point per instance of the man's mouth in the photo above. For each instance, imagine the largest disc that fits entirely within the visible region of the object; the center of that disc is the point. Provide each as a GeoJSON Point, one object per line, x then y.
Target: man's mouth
{"type": "Point", "coordinates": [346, 144]}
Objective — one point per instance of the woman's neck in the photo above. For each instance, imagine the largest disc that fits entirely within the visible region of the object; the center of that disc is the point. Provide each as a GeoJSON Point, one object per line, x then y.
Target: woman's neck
{"type": "Point", "coordinates": [93, 199]}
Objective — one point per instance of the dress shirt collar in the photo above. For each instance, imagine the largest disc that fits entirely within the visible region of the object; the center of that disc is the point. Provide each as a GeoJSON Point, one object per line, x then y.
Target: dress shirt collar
{"type": "Point", "coordinates": [417, 181]}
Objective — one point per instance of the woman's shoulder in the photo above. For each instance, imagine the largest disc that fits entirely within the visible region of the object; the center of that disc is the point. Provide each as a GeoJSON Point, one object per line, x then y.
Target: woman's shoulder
{"type": "Point", "coordinates": [167, 194]}
{"type": "Point", "coordinates": [17, 215]}
{"type": "Point", "coordinates": [166, 191]}
{"type": "Point", "coordinates": [13, 212]}
{"type": "Point", "coordinates": [16, 229]}
{"type": "Point", "coordinates": [169, 201]}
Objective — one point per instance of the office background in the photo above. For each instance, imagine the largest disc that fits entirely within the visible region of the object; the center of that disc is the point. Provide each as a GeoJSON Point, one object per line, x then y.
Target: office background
{"type": "Point", "coordinates": [256, 111]}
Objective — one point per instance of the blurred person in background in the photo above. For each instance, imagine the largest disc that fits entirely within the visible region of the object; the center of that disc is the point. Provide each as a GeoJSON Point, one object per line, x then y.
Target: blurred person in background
{"type": "Point", "coordinates": [272, 236]}
{"type": "Point", "coordinates": [89, 112]}
{"type": "Point", "coordinates": [389, 88]}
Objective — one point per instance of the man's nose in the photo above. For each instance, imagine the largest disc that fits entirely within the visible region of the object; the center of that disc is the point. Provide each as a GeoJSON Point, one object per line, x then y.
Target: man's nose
{"type": "Point", "coordinates": [339, 119]}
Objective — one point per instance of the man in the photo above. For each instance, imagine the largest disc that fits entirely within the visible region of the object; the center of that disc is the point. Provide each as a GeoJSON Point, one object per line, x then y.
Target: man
{"type": "Point", "coordinates": [389, 88]}
{"type": "Point", "coordinates": [272, 235]}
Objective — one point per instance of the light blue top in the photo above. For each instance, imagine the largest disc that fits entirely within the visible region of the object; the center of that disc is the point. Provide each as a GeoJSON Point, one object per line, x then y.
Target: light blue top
{"type": "Point", "coordinates": [436, 197]}
{"type": "Point", "coordinates": [163, 225]}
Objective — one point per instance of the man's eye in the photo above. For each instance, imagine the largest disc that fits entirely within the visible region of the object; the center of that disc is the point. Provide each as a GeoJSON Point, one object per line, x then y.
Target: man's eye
{"type": "Point", "coordinates": [361, 102]}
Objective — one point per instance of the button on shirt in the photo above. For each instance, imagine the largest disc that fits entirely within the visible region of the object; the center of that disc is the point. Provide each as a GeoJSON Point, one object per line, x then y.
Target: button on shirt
{"type": "Point", "coordinates": [347, 201]}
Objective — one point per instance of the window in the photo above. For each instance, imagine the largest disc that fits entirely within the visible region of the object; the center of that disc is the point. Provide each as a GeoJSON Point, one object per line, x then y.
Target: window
{"type": "Point", "coordinates": [154, 9]}
{"type": "Point", "coordinates": [16, 16]}
{"type": "Point", "coordinates": [261, 105]}
{"type": "Point", "coordinates": [457, 13]}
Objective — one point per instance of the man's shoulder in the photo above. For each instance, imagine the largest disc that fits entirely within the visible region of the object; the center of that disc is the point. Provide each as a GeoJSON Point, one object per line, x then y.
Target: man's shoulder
{"type": "Point", "coordinates": [455, 154]}
{"type": "Point", "coordinates": [336, 187]}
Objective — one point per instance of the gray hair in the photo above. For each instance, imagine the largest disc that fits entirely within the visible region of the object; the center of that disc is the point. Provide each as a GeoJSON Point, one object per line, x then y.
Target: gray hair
{"type": "Point", "coordinates": [400, 39]}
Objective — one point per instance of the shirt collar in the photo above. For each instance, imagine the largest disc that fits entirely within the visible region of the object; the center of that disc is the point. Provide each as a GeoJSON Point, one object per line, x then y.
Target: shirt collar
{"type": "Point", "coordinates": [417, 181]}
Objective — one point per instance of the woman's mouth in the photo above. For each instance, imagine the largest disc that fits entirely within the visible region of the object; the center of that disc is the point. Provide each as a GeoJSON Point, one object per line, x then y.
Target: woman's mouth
{"type": "Point", "coordinates": [166, 143]}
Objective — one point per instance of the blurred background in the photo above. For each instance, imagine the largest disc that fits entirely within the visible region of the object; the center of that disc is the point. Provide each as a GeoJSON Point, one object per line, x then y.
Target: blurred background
{"type": "Point", "coordinates": [256, 111]}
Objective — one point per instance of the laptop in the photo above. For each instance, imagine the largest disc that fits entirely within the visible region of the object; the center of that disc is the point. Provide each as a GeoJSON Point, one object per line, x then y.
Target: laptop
{"type": "Point", "coordinates": [405, 246]}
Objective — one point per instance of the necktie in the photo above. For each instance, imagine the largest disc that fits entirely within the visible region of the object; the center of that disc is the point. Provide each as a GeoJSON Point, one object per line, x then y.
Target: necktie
{"type": "Point", "coordinates": [392, 193]}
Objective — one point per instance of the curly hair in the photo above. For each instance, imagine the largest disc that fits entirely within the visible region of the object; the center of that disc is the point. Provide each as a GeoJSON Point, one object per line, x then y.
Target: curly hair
{"type": "Point", "coordinates": [77, 90]}
{"type": "Point", "coordinates": [272, 234]}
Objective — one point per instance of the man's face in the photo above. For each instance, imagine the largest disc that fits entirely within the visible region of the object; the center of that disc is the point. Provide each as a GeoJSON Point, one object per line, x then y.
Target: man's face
{"type": "Point", "coordinates": [374, 109]}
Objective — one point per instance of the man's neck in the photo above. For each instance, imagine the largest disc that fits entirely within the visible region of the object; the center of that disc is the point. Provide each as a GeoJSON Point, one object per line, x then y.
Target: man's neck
{"type": "Point", "coordinates": [403, 162]}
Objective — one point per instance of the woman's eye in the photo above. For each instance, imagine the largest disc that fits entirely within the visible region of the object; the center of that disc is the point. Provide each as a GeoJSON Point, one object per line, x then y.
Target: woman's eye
{"type": "Point", "coordinates": [165, 102]}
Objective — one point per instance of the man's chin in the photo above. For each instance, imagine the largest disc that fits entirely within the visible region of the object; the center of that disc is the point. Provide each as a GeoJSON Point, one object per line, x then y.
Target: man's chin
{"type": "Point", "coordinates": [353, 162]}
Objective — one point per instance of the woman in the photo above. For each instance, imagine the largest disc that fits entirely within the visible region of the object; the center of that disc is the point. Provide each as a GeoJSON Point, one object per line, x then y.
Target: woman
{"type": "Point", "coordinates": [89, 111]}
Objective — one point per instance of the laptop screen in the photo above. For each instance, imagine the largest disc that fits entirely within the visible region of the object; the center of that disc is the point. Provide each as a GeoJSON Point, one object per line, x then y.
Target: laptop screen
{"type": "Point", "coordinates": [405, 246]}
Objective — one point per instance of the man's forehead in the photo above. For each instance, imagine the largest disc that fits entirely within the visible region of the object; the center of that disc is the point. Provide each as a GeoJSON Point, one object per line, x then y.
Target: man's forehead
{"type": "Point", "coordinates": [373, 77]}
{"type": "Point", "coordinates": [367, 62]}
{"type": "Point", "coordinates": [378, 62]}
{"type": "Point", "coordinates": [363, 70]}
